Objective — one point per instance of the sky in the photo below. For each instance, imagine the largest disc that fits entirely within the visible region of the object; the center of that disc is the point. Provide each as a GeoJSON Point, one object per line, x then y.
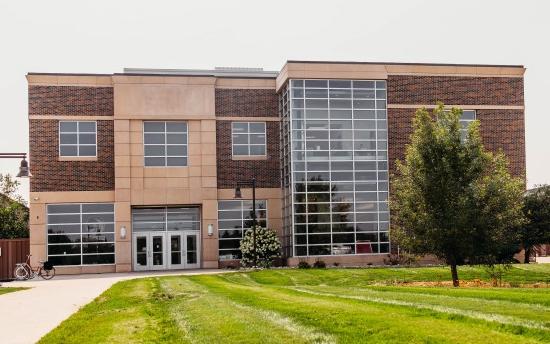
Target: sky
{"type": "Point", "coordinates": [106, 36]}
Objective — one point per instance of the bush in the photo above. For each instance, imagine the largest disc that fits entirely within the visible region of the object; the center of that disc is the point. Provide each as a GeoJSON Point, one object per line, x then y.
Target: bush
{"type": "Point", "coordinates": [302, 264]}
{"type": "Point", "coordinates": [496, 272]}
{"type": "Point", "coordinates": [401, 259]}
{"type": "Point", "coordinates": [319, 264]}
{"type": "Point", "coordinates": [268, 247]}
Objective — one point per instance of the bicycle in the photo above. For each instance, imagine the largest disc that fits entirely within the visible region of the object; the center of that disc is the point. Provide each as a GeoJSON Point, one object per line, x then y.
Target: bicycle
{"type": "Point", "coordinates": [25, 271]}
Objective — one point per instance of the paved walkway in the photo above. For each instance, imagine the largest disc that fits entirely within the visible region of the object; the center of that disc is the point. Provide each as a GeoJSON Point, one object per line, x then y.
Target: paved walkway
{"type": "Point", "coordinates": [27, 315]}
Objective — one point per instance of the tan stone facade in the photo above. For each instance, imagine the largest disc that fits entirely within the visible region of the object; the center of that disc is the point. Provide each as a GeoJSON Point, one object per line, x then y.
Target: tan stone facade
{"type": "Point", "coordinates": [209, 103]}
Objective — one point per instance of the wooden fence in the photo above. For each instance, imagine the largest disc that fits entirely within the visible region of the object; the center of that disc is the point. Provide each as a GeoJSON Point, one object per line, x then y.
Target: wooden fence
{"type": "Point", "coordinates": [12, 251]}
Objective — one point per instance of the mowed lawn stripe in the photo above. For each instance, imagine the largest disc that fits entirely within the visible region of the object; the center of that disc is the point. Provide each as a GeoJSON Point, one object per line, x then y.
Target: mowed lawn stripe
{"type": "Point", "coordinates": [519, 273]}
{"type": "Point", "coordinates": [536, 315]}
{"type": "Point", "coordinates": [197, 311]}
{"type": "Point", "coordinates": [354, 321]}
{"type": "Point", "coordinates": [536, 297]}
{"type": "Point", "coordinates": [486, 316]}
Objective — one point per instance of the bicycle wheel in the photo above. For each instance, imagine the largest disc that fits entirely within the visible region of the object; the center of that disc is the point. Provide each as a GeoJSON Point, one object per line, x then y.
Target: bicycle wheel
{"type": "Point", "coordinates": [21, 273]}
{"type": "Point", "coordinates": [47, 274]}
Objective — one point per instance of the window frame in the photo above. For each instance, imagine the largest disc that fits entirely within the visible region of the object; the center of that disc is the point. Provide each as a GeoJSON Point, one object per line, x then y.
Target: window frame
{"type": "Point", "coordinates": [165, 211]}
{"type": "Point", "coordinates": [367, 98]}
{"type": "Point", "coordinates": [248, 144]}
{"type": "Point", "coordinates": [77, 144]}
{"type": "Point", "coordinates": [81, 233]}
{"type": "Point", "coordinates": [242, 219]}
{"type": "Point", "coordinates": [165, 145]}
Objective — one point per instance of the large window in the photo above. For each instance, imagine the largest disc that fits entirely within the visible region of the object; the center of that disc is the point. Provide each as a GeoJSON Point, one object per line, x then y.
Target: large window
{"type": "Point", "coordinates": [77, 138]}
{"type": "Point", "coordinates": [234, 218]}
{"type": "Point", "coordinates": [165, 143]}
{"type": "Point", "coordinates": [165, 219]}
{"type": "Point", "coordinates": [337, 166]}
{"type": "Point", "coordinates": [81, 234]}
{"type": "Point", "coordinates": [248, 138]}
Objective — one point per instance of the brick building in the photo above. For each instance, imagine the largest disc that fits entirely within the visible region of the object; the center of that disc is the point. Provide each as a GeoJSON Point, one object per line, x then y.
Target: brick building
{"type": "Point", "coordinates": [137, 170]}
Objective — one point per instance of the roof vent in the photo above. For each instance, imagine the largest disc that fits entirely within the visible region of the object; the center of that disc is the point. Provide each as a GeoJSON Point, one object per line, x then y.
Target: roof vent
{"type": "Point", "coordinates": [239, 69]}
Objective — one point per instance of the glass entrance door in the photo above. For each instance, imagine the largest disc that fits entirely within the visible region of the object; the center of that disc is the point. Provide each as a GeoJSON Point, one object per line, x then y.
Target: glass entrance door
{"type": "Point", "coordinates": [192, 250]}
{"type": "Point", "coordinates": [149, 251]}
{"type": "Point", "coordinates": [166, 238]}
{"type": "Point", "coordinates": [158, 260]}
{"type": "Point", "coordinates": [141, 251]}
{"type": "Point", "coordinates": [170, 250]}
{"type": "Point", "coordinates": [175, 255]}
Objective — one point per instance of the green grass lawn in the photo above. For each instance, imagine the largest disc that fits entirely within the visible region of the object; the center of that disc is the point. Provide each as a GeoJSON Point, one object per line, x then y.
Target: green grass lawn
{"type": "Point", "coordinates": [5, 290]}
{"type": "Point", "coordinates": [315, 306]}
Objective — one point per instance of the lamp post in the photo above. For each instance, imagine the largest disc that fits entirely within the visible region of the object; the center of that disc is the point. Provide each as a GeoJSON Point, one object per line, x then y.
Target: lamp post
{"type": "Point", "coordinates": [24, 171]}
{"type": "Point", "coordinates": [238, 194]}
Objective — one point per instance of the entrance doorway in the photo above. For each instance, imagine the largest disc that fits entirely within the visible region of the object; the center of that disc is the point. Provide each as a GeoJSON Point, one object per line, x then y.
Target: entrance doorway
{"type": "Point", "coordinates": [165, 251]}
{"type": "Point", "coordinates": [166, 238]}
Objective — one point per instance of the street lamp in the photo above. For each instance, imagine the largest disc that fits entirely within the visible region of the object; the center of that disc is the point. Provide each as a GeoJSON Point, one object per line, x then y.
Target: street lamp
{"type": "Point", "coordinates": [24, 171]}
{"type": "Point", "coordinates": [239, 195]}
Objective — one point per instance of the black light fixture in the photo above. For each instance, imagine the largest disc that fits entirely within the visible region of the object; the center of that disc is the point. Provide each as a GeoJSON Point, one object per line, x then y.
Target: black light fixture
{"type": "Point", "coordinates": [238, 193]}
{"type": "Point", "coordinates": [24, 171]}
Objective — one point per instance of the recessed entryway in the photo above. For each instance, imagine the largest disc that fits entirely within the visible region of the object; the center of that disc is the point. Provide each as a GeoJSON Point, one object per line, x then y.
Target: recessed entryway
{"type": "Point", "coordinates": [165, 238]}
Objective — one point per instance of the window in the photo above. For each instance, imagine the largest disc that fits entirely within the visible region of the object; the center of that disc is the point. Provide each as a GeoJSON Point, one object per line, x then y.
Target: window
{"type": "Point", "coordinates": [468, 116]}
{"type": "Point", "coordinates": [163, 219]}
{"type": "Point", "coordinates": [336, 166]}
{"type": "Point", "coordinates": [248, 138]}
{"type": "Point", "coordinates": [81, 233]}
{"type": "Point", "coordinates": [234, 218]}
{"type": "Point", "coordinates": [165, 143]}
{"type": "Point", "coordinates": [77, 138]}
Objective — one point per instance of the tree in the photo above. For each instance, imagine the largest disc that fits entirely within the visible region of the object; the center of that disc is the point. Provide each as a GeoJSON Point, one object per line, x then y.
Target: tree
{"type": "Point", "coordinates": [451, 198]}
{"type": "Point", "coordinates": [268, 247]}
{"type": "Point", "coordinates": [8, 188]}
{"type": "Point", "coordinates": [14, 215]}
{"type": "Point", "coordinates": [536, 230]}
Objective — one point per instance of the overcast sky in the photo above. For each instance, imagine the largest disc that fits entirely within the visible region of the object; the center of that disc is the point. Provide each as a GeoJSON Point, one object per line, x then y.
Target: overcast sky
{"type": "Point", "coordinates": [106, 36]}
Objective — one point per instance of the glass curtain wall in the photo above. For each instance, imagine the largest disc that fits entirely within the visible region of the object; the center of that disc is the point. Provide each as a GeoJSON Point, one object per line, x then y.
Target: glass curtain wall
{"type": "Point", "coordinates": [284, 108]}
{"type": "Point", "coordinates": [336, 166]}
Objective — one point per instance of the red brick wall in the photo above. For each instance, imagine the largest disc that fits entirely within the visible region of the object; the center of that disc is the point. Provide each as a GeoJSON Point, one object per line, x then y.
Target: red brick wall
{"type": "Point", "coordinates": [267, 172]}
{"type": "Point", "coordinates": [500, 129]}
{"type": "Point", "coordinates": [505, 129]}
{"type": "Point", "coordinates": [247, 102]}
{"type": "Point", "coordinates": [406, 89]}
{"type": "Point", "coordinates": [70, 100]}
{"type": "Point", "coordinates": [49, 174]}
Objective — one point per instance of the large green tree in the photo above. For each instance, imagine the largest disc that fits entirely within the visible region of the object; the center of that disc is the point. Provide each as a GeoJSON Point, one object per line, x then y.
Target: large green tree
{"type": "Point", "coordinates": [536, 230]}
{"type": "Point", "coordinates": [14, 214]}
{"type": "Point", "coordinates": [451, 198]}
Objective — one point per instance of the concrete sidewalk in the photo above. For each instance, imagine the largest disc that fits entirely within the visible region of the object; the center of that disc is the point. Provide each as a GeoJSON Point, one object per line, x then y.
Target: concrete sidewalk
{"type": "Point", "coordinates": [27, 315]}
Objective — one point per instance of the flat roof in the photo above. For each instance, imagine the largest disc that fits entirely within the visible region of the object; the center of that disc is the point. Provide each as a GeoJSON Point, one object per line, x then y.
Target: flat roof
{"type": "Point", "coordinates": [244, 72]}
{"type": "Point", "coordinates": [407, 63]}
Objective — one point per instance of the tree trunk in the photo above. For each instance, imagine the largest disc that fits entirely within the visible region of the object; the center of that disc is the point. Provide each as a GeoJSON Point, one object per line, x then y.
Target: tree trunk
{"type": "Point", "coordinates": [527, 255]}
{"type": "Point", "coordinates": [454, 274]}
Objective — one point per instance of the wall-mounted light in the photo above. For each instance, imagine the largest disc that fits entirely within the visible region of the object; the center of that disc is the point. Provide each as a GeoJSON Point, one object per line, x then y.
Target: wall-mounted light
{"type": "Point", "coordinates": [210, 229]}
{"type": "Point", "coordinates": [123, 232]}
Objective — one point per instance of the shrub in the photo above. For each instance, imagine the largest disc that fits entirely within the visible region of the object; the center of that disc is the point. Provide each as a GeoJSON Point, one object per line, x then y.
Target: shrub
{"type": "Point", "coordinates": [302, 264]}
{"type": "Point", "coordinates": [401, 259]}
{"type": "Point", "coordinates": [268, 247]}
{"type": "Point", "coordinates": [496, 272]}
{"type": "Point", "coordinates": [514, 284]}
{"type": "Point", "coordinates": [319, 264]}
